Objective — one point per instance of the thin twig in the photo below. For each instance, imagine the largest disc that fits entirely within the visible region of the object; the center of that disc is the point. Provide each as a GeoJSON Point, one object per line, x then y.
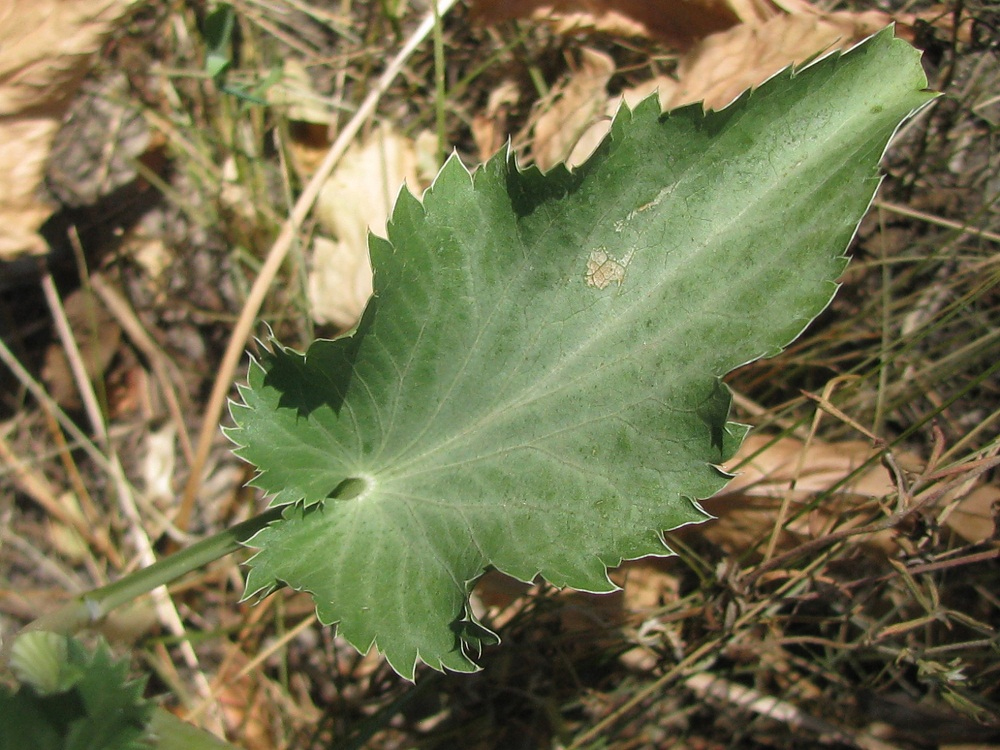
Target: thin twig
{"type": "Point", "coordinates": [955, 562]}
{"type": "Point", "coordinates": [754, 409]}
{"type": "Point", "coordinates": [91, 513]}
{"type": "Point", "coordinates": [823, 402]}
{"type": "Point", "coordinates": [786, 501]}
{"type": "Point", "coordinates": [709, 686]}
{"type": "Point", "coordinates": [75, 359]}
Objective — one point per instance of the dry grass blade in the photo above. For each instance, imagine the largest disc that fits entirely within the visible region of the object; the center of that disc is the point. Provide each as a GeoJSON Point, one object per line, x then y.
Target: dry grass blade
{"type": "Point", "coordinates": [938, 220]}
{"type": "Point", "coordinates": [165, 371]}
{"type": "Point", "coordinates": [37, 487]}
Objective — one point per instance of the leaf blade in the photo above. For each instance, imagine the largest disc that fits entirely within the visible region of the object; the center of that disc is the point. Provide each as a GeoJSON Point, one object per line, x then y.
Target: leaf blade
{"type": "Point", "coordinates": [542, 357]}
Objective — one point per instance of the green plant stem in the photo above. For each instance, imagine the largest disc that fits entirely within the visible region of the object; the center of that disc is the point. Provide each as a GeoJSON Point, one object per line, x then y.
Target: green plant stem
{"type": "Point", "coordinates": [439, 85]}
{"type": "Point", "coordinates": [92, 606]}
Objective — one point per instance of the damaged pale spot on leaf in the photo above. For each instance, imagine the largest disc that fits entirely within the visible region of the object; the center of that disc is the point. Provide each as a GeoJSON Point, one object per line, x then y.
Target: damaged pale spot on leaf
{"type": "Point", "coordinates": [604, 269]}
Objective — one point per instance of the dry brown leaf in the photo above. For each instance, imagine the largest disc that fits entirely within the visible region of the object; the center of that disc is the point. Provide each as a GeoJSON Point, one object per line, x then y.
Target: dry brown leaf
{"type": "Point", "coordinates": [249, 702]}
{"type": "Point", "coordinates": [489, 128]}
{"type": "Point", "coordinates": [357, 196]}
{"type": "Point", "coordinates": [723, 65]}
{"type": "Point", "coordinates": [771, 472]}
{"type": "Point", "coordinates": [24, 148]}
{"type": "Point", "coordinates": [576, 104]}
{"type": "Point", "coordinates": [45, 50]}
{"type": "Point", "coordinates": [677, 22]}
{"type": "Point", "coordinates": [340, 281]}
{"type": "Point", "coordinates": [763, 38]}
{"type": "Point", "coordinates": [577, 146]}
{"type": "Point", "coordinates": [769, 467]}
{"type": "Point", "coordinates": [972, 516]}
{"type": "Point", "coordinates": [648, 584]}
{"type": "Point", "coordinates": [715, 70]}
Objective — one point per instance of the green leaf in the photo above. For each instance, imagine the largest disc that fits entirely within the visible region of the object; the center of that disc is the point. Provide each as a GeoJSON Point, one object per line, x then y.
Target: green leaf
{"type": "Point", "coordinates": [218, 32]}
{"type": "Point", "coordinates": [166, 732]}
{"type": "Point", "coordinates": [535, 384]}
{"type": "Point", "coordinates": [85, 701]}
{"type": "Point", "coordinates": [39, 658]}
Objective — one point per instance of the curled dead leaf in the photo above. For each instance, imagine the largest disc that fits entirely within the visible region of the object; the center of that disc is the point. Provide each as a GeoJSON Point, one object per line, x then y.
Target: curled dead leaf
{"type": "Point", "coordinates": [721, 66]}
{"type": "Point", "coordinates": [45, 51]}
{"type": "Point", "coordinates": [562, 130]}
{"type": "Point", "coordinates": [489, 128]}
{"type": "Point", "coordinates": [677, 22]}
